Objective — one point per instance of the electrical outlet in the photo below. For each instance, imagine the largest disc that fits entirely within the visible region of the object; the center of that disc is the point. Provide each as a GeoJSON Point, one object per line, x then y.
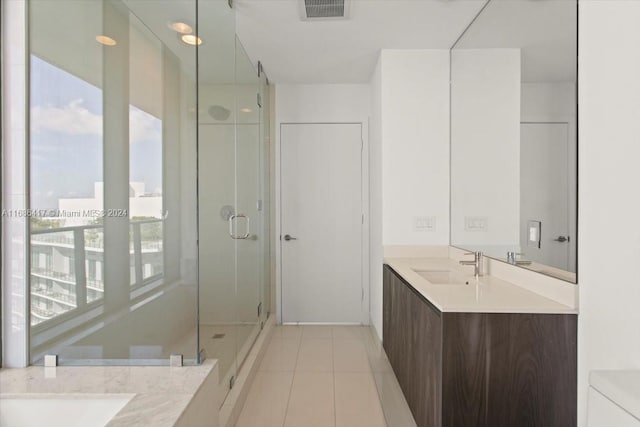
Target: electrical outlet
{"type": "Point", "coordinates": [475, 223]}
{"type": "Point", "coordinates": [425, 223]}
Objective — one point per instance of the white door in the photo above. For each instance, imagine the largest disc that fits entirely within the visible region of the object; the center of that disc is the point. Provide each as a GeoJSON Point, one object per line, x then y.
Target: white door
{"type": "Point", "coordinates": [321, 223]}
{"type": "Point", "coordinates": [546, 192]}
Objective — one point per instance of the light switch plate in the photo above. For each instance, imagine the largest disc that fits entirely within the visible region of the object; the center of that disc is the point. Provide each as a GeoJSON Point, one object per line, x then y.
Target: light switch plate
{"type": "Point", "coordinates": [475, 223]}
{"type": "Point", "coordinates": [425, 223]}
{"type": "Point", "coordinates": [534, 233]}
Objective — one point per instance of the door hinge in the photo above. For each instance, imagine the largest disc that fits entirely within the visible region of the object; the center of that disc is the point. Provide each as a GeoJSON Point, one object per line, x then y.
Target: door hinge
{"type": "Point", "coordinates": [259, 100]}
{"type": "Point", "coordinates": [259, 309]}
{"type": "Point", "coordinates": [362, 296]}
{"type": "Point", "coordinates": [232, 381]}
{"type": "Point", "coordinates": [259, 68]}
{"type": "Point", "coordinates": [362, 219]}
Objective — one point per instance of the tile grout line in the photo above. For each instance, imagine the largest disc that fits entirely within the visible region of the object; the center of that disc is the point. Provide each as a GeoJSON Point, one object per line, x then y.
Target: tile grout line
{"type": "Point", "coordinates": [293, 378]}
{"type": "Point", "coordinates": [362, 340]}
{"type": "Point", "coordinates": [370, 356]}
{"type": "Point", "coordinates": [370, 373]}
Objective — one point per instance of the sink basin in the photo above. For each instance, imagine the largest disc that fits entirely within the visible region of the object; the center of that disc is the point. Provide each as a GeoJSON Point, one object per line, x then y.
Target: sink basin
{"type": "Point", "coordinates": [61, 410]}
{"type": "Point", "coordinates": [443, 277]}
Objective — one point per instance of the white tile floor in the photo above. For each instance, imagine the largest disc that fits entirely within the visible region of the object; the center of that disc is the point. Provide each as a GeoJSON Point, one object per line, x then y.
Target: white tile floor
{"type": "Point", "coordinates": [324, 376]}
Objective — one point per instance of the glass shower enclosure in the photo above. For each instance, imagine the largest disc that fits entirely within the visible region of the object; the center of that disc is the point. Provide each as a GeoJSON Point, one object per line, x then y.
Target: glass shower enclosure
{"type": "Point", "coordinates": [148, 184]}
{"type": "Point", "coordinates": [233, 185]}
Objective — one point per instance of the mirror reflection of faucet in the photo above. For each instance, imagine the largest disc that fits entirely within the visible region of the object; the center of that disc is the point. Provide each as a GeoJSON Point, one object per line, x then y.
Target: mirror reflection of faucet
{"type": "Point", "coordinates": [512, 258]}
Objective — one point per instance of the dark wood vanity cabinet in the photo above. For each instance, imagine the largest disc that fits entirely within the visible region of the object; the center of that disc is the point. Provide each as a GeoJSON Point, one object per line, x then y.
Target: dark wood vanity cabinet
{"type": "Point", "coordinates": [412, 339]}
{"type": "Point", "coordinates": [480, 369]}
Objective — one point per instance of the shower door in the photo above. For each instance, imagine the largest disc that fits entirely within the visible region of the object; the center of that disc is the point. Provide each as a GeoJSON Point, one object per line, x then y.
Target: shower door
{"type": "Point", "coordinates": [246, 225]}
{"type": "Point", "coordinates": [230, 206]}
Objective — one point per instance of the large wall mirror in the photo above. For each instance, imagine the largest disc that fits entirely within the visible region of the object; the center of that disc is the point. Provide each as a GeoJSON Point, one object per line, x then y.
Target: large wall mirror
{"type": "Point", "coordinates": [514, 137]}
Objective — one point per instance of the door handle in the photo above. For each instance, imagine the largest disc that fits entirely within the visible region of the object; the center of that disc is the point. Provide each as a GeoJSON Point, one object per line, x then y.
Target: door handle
{"type": "Point", "coordinates": [287, 237]}
{"type": "Point", "coordinates": [244, 236]}
{"type": "Point", "coordinates": [561, 239]}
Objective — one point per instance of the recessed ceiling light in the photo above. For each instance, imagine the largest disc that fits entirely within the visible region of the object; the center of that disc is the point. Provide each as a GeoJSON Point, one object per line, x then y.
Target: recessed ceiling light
{"type": "Point", "coordinates": [106, 40]}
{"type": "Point", "coordinates": [192, 40]}
{"type": "Point", "coordinates": [246, 110]}
{"type": "Point", "coordinates": [181, 27]}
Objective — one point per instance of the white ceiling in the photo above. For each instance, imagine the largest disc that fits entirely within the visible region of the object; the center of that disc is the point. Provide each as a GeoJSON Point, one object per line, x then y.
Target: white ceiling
{"type": "Point", "coordinates": [345, 51]}
{"type": "Point", "coordinates": [544, 30]}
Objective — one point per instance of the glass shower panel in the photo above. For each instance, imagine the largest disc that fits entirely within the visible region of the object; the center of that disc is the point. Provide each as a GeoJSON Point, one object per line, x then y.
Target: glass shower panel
{"type": "Point", "coordinates": [265, 189]}
{"type": "Point", "coordinates": [248, 203]}
{"type": "Point", "coordinates": [217, 172]}
{"type": "Point", "coordinates": [65, 156]}
{"type": "Point", "coordinates": [113, 159]}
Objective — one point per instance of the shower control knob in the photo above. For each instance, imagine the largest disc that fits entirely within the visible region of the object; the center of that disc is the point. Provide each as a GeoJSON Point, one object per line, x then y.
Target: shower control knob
{"type": "Point", "coordinates": [287, 237]}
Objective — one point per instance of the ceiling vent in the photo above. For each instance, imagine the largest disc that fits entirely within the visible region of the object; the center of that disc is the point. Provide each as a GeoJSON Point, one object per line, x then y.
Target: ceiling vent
{"type": "Point", "coordinates": [312, 10]}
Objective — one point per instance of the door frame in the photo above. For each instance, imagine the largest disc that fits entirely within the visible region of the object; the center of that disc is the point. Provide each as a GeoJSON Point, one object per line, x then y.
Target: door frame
{"type": "Point", "coordinates": [364, 253]}
{"type": "Point", "coordinates": [572, 146]}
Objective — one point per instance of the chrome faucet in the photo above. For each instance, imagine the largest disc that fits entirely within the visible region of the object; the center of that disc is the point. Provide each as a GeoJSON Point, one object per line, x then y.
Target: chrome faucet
{"type": "Point", "coordinates": [477, 263]}
{"type": "Point", "coordinates": [512, 258]}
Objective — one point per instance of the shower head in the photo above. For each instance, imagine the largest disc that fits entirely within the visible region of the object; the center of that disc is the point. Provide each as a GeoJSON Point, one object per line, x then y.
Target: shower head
{"type": "Point", "coordinates": [219, 113]}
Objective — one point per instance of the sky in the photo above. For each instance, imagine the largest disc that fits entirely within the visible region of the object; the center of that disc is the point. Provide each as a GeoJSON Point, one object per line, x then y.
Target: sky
{"type": "Point", "coordinates": [67, 138]}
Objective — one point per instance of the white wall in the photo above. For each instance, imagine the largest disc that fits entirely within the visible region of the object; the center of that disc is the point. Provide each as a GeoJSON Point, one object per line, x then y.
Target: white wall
{"type": "Point", "coordinates": [375, 200]}
{"type": "Point", "coordinates": [485, 126]}
{"type": "Point", "coordinates": [409, 161]}
{"type": "Point", "coordinates": [609, 246]}
{"type": "Point", "coordinates": [323, 103]}
{"type": "Point", "coordinates": [315, 103]}
{"type": "Point", "coordinates": [415, 145]}
{"type": "Point", "coordinates": [547, 101]}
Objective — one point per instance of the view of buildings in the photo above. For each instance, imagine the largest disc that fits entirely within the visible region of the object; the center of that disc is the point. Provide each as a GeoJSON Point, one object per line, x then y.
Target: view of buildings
{"type": "Point", "coordinates": [67, 251]}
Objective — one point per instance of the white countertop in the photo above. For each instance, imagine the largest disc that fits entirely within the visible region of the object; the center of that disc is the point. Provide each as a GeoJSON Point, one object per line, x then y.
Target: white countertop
{"type": "Point", "coordinates": [621, 387]}
{"type": "Point", "coordinates": [487, 295]}
{"type": "Point", "coordinates": [161, 393]}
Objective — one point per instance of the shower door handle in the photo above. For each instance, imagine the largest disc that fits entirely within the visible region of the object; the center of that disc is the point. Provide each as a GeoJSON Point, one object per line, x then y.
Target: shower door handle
{"type": "Point", "coordinates": [247, 220]}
